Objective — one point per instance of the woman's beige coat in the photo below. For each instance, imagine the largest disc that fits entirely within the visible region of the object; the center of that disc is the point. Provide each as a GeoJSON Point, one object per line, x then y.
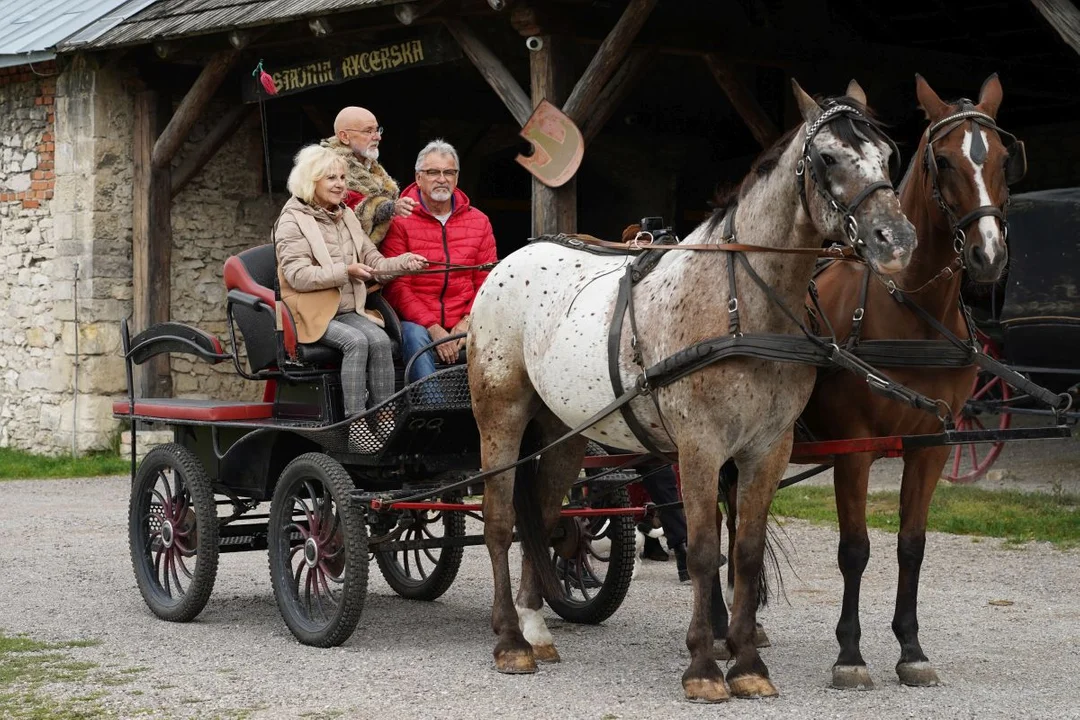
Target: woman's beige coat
{"type": "Point", "coordinates": [311, 282]}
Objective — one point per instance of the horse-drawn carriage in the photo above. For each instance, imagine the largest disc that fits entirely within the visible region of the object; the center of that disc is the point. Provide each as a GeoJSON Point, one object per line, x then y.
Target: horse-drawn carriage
{"type": "Point", "coordinates": [1031, 320]}
{"type": "Point", "coordinates": [340, 489]}
{"type": "Point", "coordinates": [701, 350]}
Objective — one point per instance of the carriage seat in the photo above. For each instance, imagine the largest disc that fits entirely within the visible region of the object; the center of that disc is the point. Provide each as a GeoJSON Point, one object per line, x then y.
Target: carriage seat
{"type": "Point", "coordinates": [254, 272]}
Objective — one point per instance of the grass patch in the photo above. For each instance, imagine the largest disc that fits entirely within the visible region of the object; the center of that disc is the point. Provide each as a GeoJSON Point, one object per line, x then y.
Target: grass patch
{"type": "Point", "coordinates": [19, 465]}
{"type": "Point", "coordinates": [1017, 517]}
{"type": "Point", "coordinates": [27, 664]}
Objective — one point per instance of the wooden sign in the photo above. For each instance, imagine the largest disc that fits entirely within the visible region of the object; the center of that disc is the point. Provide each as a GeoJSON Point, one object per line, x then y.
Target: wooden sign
{"type": "Point", "coordinates": [428, 49]}
{"type": "Point", "coordinates": [557, 145]}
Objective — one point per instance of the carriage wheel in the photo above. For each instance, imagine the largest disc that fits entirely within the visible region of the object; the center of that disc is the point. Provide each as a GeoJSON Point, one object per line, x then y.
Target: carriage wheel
{"type": "Point", "coordinates": [970, 462]}
{"type": "Point", "coordinates": [594, 561]}
{"type": "Point", "coordinates": [173, 533]}
{"type": "Point", "coordinates": [318, 551]}
{"type": "Point", "coordinates": [425, 573]}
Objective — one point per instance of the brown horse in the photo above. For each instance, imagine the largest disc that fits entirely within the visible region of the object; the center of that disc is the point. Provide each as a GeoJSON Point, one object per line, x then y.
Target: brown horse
{"type": "Point", "coordinates": [955, 192]}
{"type": "Point", "coordinates": [538, 357]}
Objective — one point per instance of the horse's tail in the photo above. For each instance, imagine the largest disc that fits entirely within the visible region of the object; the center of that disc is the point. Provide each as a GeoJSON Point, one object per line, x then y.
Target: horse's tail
{"type": "Point", "coordinates": [729, 482]}
{"type": "Point", "coordinates": [535, 542]}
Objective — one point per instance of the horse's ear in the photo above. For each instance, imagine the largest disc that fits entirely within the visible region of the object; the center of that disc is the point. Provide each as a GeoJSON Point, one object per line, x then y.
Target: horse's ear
{"type": "Point", "coordinates": [990, 96]}
{"type": "Point", "coordinates": [855, 92]}
{"type": "Point", "coordinates": [934, 107]}
{"type": "Point", "coordinates": [808, 107]}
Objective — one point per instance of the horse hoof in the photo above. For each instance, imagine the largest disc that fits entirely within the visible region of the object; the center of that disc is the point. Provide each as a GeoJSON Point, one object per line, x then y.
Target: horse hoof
{"type": "Point", "coordinates": [706, 690]}
{"type": "Point", "coordinates": [752, 686]}
{"type": "Point", "coordinates": [546, 654]}
{"type": "Point", "coordinates": [760, 638]}
{"type": "Point", "coordinates": [515, 662]}
{"type": "Point", "coordinates": [851, 677]}
{"type": "Point", "coordinates": [918, 674]}
{"type": "Point", "coordinates": [720, 649]}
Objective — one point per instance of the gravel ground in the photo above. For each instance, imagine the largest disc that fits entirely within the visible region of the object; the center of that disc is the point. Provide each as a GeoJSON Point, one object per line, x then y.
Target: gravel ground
{"type": "Point", "coordinates": [64, 560]}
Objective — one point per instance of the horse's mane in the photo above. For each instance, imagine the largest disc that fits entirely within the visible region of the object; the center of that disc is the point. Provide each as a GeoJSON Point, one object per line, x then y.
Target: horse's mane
{"type": "Point", "coordinates": [767, 161]}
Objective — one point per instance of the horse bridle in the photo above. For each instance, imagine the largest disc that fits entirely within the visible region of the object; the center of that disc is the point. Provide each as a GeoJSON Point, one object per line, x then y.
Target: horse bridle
{"type": "Point", "coordinates": [1015, 169]}
{"type": "Point", "coordinates": [813, 165]}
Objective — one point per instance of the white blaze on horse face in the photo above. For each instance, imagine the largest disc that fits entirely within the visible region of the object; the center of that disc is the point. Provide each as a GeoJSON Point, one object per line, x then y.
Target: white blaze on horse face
{"type": "Point", "coordinates": [988, 226]}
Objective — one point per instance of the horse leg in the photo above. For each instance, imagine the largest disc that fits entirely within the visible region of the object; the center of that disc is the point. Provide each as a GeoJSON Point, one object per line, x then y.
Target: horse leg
{"type": "Point", "coordinates": [850, 477]}
{"type": "Point", "coordinates": [703, 680]}
{"type": "Point", "coordinates": [749, 677]}
{"type": "Point", "coordinates": [558, 468]}
{"type": "Point", "coordinates": [921, 471]}
{"type": "Point", "coordinates": [719, 605]}
{"type": "Point", "coordinates": [729, 477]}
{"type": "Point", "coordinates": [502, 412]}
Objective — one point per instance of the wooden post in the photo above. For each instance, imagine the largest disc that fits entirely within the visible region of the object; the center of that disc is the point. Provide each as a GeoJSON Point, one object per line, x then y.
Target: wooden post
{"type": "Point", "coordinates": [493, 70]}
{"type": "Point", "coordinates": [554, 210]}
{"type": "Point", "coordinates": [761, 125]}
{"type": "Point", "coordinates": [608, 56]}
{"type": "Point", "coordinates": [151, 249]}
{"type": "Point", "coordinates": [151, 237]}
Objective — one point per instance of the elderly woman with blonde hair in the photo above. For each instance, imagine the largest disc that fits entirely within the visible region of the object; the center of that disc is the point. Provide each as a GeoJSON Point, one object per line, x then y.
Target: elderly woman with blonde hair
{"type": "Point", "coordinates": [324, 257]}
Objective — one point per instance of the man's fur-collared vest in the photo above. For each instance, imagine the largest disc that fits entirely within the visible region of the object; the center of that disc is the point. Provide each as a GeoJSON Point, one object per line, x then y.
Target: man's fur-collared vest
{"type": "Point", "coordinates": [379, 190]}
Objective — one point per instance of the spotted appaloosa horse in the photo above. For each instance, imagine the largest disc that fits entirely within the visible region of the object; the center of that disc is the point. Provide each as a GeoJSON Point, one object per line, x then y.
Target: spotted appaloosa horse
{"type": "Point", "coordinates": [968, 166]}
{"type": "Point", "coordinates": [538, 354]}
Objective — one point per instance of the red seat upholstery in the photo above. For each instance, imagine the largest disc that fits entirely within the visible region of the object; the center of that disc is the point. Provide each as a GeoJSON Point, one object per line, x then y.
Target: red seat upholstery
{"type": "Point", "coordinates": [197, 410]}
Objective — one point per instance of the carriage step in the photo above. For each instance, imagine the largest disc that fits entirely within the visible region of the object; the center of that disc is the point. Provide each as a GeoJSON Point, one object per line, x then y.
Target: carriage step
{"type": "Point", "coordinates": [241, 543]}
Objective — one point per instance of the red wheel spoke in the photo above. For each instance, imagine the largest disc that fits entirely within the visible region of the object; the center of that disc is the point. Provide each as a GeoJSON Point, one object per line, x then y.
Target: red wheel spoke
{"type": "Point", "coordinates": [974, 456]}
{"type": "Point", "coordinates": [183, 567]}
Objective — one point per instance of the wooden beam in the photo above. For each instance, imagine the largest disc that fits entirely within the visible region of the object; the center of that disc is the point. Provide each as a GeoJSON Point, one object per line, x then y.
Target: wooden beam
{"type": "Point", "coordinates": [493, 71]}
{"type": "Point", "coordinates": [201, 154]}
{"type": "Point", "coordinates": [191, 108]}
{"type": "Point", "coordinates": [1063, 17]}
{"type": "Point", "coordinates": [608, 56]}
{"type": "Point", "coordinates": [151, 239]}
{"type": "Point", "coordinates": [761, 125]}
{"type": "Point", "coordinates": [554, 210]}
{"type": "Point", "coordinates": [617, 89]}
{"type": "Point", "coordinates": [410, 12]}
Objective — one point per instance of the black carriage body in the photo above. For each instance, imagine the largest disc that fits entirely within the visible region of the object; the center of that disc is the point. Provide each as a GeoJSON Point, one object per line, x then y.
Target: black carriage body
{"type": "Point", "coordinates": [1040, 317]}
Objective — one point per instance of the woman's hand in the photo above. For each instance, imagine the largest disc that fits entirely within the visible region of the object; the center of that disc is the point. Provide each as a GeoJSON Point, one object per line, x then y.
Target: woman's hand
{"type": "Point", "coordinates": [403, 206]}
{"type": "Point", "coordinates": [360, 271]}
{"type": "Point", "coordinates": [414, 262]}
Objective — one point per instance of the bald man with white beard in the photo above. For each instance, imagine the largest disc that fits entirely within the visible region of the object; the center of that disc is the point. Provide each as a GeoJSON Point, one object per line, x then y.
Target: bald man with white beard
{"type": "Point", "coordinates": [372, 193]}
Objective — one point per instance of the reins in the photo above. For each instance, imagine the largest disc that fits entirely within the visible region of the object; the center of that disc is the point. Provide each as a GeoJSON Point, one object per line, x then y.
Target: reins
{"type": "Point", "coordinates": [640, 243]}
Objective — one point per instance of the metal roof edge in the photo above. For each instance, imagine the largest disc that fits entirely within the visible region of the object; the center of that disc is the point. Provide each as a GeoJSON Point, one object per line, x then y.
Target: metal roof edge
{"type": "Point", "coordinates": [102, 25]}
{"type": "Point", "coordinates": [26, 58]}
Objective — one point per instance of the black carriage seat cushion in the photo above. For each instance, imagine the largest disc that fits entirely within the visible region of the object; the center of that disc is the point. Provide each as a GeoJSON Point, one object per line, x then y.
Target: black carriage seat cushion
{"type": "Point", "coordinates": [195, 410]}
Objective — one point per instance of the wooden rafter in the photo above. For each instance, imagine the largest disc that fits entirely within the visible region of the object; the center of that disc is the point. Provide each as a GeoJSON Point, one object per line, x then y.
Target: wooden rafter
{"type": "Point", "coordinates": [493, 71]}
{"type": "Point", "coordinates": [617, 89]}
{"type": "Point", "coordinates": [1063, 17]}
{"type": "Point", "coordinates": [757, 120]}
{"type": "Point", "coordinates": [605, 62]}
{"type": "Point", "coordinates": [191, 108]}
{"type": "Point", "coordinates": [201, 154]}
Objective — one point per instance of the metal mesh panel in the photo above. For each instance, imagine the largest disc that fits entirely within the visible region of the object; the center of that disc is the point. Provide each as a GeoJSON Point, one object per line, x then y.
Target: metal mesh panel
{"type": "Point", "coordinates": [445, 390]}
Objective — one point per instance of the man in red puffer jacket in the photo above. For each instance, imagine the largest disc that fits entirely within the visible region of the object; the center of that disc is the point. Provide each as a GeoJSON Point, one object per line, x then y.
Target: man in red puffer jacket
{"type": "Point", "coordinates": [445, 229]}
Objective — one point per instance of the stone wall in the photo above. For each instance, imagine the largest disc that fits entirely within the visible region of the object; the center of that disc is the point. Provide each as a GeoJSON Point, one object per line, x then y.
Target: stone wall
{"type": "Point", "coordinates": [221, 212]}
{"type": "Point", "coordinates": [35, 379]}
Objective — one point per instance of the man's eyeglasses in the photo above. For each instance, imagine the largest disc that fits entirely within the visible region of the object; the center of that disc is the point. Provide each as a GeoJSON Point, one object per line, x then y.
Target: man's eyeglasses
{"type": "Point", "coordinates": [366, 131]}
{"type": "Point", "coordinates": [432, 174]}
